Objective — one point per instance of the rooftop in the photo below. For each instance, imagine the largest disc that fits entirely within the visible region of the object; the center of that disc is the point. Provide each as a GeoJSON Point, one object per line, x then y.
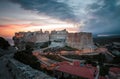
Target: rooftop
{"type": "Point", "coordinates": [115, 70]}
{"type": "Point", "coordinates": [77, 70]}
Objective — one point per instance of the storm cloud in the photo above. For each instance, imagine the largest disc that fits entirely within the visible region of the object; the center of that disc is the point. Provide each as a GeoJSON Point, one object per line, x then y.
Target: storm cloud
{"type": "Point", "coordinates": [105, 17]}
{"type": "Point", "coordinates": [96, 16]}
{"type": "Point", "coordinates": [52, 8]}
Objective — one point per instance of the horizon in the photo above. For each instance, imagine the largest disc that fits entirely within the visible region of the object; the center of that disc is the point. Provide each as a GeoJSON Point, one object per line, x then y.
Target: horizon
{"type": "Point", "coordinates": [11, 42]}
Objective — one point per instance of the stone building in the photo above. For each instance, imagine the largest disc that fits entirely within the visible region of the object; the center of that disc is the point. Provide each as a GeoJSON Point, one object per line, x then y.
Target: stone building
{"type": "Point", "coordinates": [19, 34]}
{"type": "Point", "coordinates": [42, 37]}
{"type": "Point", "coordinates": [58, 38]}
{"type": "Point", "coordinates": [82, 41]}
{"type": "Point", "coordinates": [21, 38]}
{"type": "Point", "coordinates": [37, 36]}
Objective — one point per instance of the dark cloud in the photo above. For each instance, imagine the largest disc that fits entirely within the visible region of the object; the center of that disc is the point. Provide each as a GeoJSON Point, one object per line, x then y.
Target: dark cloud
{"type": "Point", "coordinates": [49, 7]}
{"type": "Point", "coordinates": [100, 16]}
{"type": "Point", "coordinates": [106, 15]}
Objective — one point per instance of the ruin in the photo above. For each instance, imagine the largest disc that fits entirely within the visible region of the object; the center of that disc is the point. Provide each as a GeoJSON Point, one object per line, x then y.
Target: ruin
{"type": "Point", "coordinates": [58, 38]}
{"type": "Point", "coordinates": [80, 40]}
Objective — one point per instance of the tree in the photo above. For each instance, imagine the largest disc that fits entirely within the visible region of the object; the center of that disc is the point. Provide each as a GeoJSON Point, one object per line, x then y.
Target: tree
{"type": "Point", "coordinates": [28, 59]}
{"type": "Point", "coordinates": [3, 43]}
{"type": "Point", "coordinates": [104, 70]}
{"type": "Point", "coordinates": [29, 47]}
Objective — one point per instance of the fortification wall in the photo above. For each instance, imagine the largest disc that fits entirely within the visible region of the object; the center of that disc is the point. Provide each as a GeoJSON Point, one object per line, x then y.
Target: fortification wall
{"type": "Point", "coordinates": [58, 38]}
{"type": "Point", "coordinates": [81, 41]}
{"type": "Point", "coordinates": [42, 38]}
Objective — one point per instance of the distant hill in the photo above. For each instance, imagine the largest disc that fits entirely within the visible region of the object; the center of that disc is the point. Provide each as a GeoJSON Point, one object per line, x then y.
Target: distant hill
{"type": "Point", "coordinates": [106, 40]}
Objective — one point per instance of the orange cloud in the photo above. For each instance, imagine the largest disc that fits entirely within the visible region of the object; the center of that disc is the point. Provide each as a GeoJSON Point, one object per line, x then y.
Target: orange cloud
{"type": "Point", "coordinates": [10, 29]}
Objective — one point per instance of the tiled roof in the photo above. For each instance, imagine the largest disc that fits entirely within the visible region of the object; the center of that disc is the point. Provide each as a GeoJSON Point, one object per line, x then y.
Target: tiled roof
{"type": "Point", "coordinates": [76, 70]}
{"type": "Point", "coordinates": [102, 77]}
{"type": "Point", "coordinates": [115, 70]}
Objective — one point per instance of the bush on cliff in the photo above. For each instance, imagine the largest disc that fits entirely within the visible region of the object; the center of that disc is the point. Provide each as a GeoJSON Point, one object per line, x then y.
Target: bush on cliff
{"type": "Point", "coordinates": [28, 59]}
{"type": "Point", "coordinates": [3, 43]}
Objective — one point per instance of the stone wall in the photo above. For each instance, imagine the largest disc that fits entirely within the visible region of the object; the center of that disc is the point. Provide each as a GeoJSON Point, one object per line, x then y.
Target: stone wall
{"type": "Point", "coordinates": [58, 38]}
{"type": "Point", "coordinates": [81, 41]}
{"type": "Point", "coordinates": [43, 37]}
{"type": "Point", "coordinates": [21, 38]}
{"type": "Point", "coordinates": [58, 35]}
{"type": "Point", "coordinates": [37, 36]}
{"type": "Point", "coordinates": [22, 71]}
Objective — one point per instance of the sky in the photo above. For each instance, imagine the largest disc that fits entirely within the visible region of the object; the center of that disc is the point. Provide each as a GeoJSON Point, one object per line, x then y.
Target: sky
{"type": "Point", "coordinates": [101, 17]}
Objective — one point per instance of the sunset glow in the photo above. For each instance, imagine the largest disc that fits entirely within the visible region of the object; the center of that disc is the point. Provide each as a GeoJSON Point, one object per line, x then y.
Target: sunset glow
{"type": "Point", "coordinates": [35, 27]}
{"type": "Point", "coordinates": [73, 15]}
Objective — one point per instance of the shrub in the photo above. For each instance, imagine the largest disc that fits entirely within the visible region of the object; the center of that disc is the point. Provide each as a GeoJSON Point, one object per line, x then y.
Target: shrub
{"type": "Point", "coordinates": [28, 59]}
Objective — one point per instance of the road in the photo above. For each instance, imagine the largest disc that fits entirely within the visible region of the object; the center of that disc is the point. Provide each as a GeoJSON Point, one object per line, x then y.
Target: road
{"type": "Point", "coordinates": [45, 60]}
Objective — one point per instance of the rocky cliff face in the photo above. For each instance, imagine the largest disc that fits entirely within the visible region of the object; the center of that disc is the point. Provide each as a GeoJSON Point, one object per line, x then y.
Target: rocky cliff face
{"type": "Point", "coordinates": [5, 51]}
{"type": "Point", "coordinates": [13, 69]}
{"type": "Point", "coordinates": [4, 44]}
{"type": "Point", "coordinates": [5, 47]}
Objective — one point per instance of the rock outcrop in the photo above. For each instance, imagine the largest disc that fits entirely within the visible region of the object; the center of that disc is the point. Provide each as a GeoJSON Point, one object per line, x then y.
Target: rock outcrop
{"type": "Point", "coordinates": [5, 47]}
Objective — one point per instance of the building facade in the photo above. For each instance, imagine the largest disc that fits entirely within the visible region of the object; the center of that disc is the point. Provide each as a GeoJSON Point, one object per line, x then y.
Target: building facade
{"type": "Point", "coordinates": [80, 40]}
{"type": "Point", "coordinates": [58, 38]}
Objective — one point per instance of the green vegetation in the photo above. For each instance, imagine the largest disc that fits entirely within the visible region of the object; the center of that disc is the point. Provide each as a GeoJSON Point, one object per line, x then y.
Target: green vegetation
{"type": "Point", "coordinates": [29, 47]}
{"type": "Point", "coordinates": [99, 58]}
{"type": "Point", "coordinates": [116, 60]}
{"type": "Point", "coordinates": [49, 72]}
{"type": "Point", "coordinates": [57, 49]}
{"type": "Point", "coordinates": [28, 59]}
{"type": "Point", "coordinates": [31, 60]}
{"type": "Point", "coordinates": [75, 56]}
{"type": "Point", "coordinates": [104, 70]}
{"type": "Point", "coordinates": [55, 57]}
{"type": "Point", "coordinates": [68, 48]}
{"type": "Point", "coordinates": [3, 43]}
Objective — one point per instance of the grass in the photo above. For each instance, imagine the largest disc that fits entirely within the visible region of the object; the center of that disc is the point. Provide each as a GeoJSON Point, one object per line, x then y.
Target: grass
{"type": "Point", "coordinates": [68, 48]}
{"type": "Point", "coordinates": [99, 57]}
{"type": "Point", "coordinates": [57, 49]}
{"type": "Point", "coordinates": [55, 57]}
